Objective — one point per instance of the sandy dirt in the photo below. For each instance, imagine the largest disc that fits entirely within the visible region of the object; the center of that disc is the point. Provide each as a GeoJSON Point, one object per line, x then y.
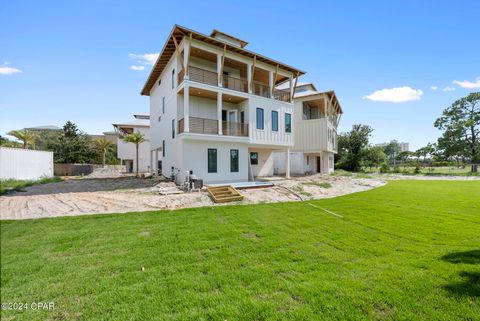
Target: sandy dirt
{"type": "Point", "coordinates": [129, 194]}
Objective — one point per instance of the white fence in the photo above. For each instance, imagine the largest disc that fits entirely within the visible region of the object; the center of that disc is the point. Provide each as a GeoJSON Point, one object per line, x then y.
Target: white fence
{"type": "Point", "coordinates": [25, 164]}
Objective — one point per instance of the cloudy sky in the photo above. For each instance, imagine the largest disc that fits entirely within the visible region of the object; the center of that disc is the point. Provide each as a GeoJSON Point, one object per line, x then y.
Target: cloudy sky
{"type": "Point", "coordinates": [395, 65]}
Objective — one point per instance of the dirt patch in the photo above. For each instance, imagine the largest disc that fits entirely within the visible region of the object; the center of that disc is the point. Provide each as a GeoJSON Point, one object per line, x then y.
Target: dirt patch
{"type": "Point", "coordinates": [130, 194]}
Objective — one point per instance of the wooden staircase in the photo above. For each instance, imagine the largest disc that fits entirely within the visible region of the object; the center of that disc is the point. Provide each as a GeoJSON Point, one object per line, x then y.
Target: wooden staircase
{"type": "Point", "coordinates": [222, 194]}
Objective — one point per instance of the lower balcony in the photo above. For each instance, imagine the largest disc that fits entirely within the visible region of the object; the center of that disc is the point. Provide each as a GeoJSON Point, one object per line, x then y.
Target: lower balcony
{"type": "Point", "coordinates": [210, 126]}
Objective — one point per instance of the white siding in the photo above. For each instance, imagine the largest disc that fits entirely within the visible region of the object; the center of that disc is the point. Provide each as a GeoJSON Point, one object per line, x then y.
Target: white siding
{"type": "Point", "coordinates": [25, 164]}
{"type": "Point", "coordinates": [127, 151]}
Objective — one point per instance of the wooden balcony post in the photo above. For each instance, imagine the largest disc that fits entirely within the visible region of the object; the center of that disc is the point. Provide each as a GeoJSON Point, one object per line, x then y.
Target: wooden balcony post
{"type": "Point", "coordinates": [186, 108]}
{"type": "Point", "coordinates": [219, 113]}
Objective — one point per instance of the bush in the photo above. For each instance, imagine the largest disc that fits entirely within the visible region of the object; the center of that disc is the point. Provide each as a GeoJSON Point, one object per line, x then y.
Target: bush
{"type": "Point", "coordinates": [384, 168]}
{"type": "Point", "coordinates": [396, 169]}
{"type": "Point", "coordinates": [417, 170]}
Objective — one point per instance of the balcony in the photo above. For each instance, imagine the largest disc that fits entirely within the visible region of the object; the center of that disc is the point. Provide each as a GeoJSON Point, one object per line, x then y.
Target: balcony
{"type": "Point", "coordinates": [210, 126]}
{"type": "Point", "coordinates": [238, 84]}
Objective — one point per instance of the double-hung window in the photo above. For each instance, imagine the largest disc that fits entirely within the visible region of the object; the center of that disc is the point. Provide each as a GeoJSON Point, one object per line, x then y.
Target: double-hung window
{"type": "Point", "coordinates": [274, 121]}
{"type": "Point", "coordinates": [259, 118]}
{"type": "Point", "coordinates": [234, 160]}
{"type": "Point", "coordinates": [212, 160]}
{"type": "Point", "coordinates": [288, 123]}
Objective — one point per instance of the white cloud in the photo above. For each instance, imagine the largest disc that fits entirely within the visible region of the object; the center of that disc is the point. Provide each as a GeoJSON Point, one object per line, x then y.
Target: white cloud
{"type": "Point", "coordinates": [448, 88]}
{"type": "Point", "coordinates": [137, 68]}
{"type": "Point", "coordinates": [147, 59]}
{"type": "Point", "coordinates": [434, 87]}
{"type": "Point", "coordinates": [468, 84]}
{"type": "Point", "coordinates": [395, 95]}
{"type": "Point", "coordinates": [6, 70]}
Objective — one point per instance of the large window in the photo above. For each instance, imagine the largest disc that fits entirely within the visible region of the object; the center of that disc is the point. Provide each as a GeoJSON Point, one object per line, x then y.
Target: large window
{"type": "Point", "coordinates": [173, 78]}
{"type": "Point", "coordinates": [288, 123]}
{"type": "Point", "coordinates": [233, 160]}
{"type": "Point", "coordinates": [173, 128]}
{"type": "Point", "coordinates": [212, 160]}
{"type": "Point", "coordinates": [254, 158]}
{"type": "Point", "coordinates": [259, 118]}
{"type": "Point", "coordinates": [274, 121]}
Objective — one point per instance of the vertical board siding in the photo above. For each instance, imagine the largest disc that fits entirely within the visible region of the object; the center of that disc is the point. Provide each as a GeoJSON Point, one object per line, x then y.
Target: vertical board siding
{"type": "Point", "coordinates": [25, 164]}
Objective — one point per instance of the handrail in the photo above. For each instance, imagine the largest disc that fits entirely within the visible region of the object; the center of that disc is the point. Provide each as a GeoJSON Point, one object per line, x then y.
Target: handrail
{"type": "Point", "coordinates": [282, 95]}
{"type": "Point", "coordinates": [210, 126]}
{"type": "Point", "coordinates": [261, 89]}
{"type": "Point", "coordinates": [202, 75]}
{"type": "Point", "coordinates": [238, 84]}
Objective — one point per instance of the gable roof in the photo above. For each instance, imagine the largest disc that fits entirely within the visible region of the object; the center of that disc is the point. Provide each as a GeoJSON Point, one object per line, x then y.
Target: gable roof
{"type": "Point", "coordinates": [178, 32]}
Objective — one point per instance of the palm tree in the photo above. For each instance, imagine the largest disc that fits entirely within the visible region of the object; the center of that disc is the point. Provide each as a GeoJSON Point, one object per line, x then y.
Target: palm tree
{"type": "Point", "coordinates": [136, 138]}
{"type": "Point", "coordinates": [102, 145]}
{"type": "Point", "coordinates": [25, 136]}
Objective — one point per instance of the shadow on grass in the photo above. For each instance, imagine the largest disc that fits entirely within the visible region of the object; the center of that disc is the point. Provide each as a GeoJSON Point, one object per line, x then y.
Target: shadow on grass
{"type": "Point", "coordinates": [470, 286]}
{"type": "Point", "coordinates": [468, 257]}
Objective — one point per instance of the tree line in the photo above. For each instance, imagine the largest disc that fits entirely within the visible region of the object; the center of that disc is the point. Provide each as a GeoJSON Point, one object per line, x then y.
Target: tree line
{"type": "Point", "coordinates": [69, 145]}
{"type": "Point", "coordinates": [459, 142]}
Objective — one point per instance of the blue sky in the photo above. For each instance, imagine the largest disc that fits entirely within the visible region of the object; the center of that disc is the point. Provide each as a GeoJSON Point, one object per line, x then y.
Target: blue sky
{"type": "Point", "coordinates": [70, 60]}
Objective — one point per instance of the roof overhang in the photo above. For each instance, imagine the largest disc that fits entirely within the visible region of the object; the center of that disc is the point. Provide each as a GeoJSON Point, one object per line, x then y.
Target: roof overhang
{"type": "Point", "coordinates": [178, 32]}
{"type": "Point", "coordinates": [330, 95]}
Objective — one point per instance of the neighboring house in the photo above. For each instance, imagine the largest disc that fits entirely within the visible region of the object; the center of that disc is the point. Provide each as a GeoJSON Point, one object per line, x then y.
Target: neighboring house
{"type": "Point", "coordinates": [216, 110]}
{"type": "Point", "coordinates": [46, 128]}
{"type": "Point", "coordinates": [111, 136]}
{"type": "Point", "coordinates": [404, 147]}
{"type": "Point", "coordinates": [126, 152]}
{"type": "Point", "coordinates": [316, 118]}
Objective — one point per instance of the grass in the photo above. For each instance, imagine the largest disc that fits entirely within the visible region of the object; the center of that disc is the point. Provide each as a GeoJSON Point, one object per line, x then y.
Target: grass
{"type": "Point", "coordinates": [319, 184]}
{"type": "Point", "coordinates": [11, 185]}
{"type": "Point", "coordinates": [407, 251]}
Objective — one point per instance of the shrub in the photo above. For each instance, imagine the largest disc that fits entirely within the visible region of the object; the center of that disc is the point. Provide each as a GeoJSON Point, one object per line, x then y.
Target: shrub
{"type": "Point", "coordinates": [384, 168]}
{"type": "Point", "coordinates": [417, 170]}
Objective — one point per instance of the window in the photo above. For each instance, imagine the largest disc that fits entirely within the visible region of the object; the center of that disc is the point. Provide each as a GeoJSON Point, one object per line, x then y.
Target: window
{"type": "Point", "coordinates": [173, 78]}
{"type": "Point", "coordinates": [254, 158]}
{"type": "Point", "coordinates": [163, 148]}
{"type": "Point", "coordinates": [234, 160]}
{"type": "Point", "coordinates": [242, 117]}
{"type": "Point", "coordinates": [259, 118]}
{"type": "Point", "coordinates": [159, 82]}
{"type": "Point", "coordinates": [274, 121]}
{"type": "Point", "coordinates": [288, 123]}
{"type": "Point", "coordinates": [212, 160]}
{"type": "Point", "coordinates": [308, 160]}
{"type": "Point", "coordinates": [163, 105]}
{"type": "Point", "coordinates": [173, 128]}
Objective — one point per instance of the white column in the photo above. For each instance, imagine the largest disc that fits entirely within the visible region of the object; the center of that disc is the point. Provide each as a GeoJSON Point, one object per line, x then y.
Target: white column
{"type": "Point", "coordinates": [287, 162]}
{"type": "Point", "coordinates": [156, 161]}
{"type": "Point", "coordinates": [291, 89]}
{"type": "Point", "coordinates": [151, 163]}
{"type": "Point", "coordinates": [219, 67]}
{"type": "Point", "coordinates": [270, 83]}
{"type": "Point", "coordinates": [185, 57]}
{"type": "Point", "coordinates": [186, 108]}
{"type": "Point", "coordinates": [249, 76]}
{"type": "Point", "coordinates": [219, 113]}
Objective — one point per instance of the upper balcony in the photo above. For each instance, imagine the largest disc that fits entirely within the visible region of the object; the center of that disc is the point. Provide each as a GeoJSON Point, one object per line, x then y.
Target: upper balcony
{"type": "Point", "coordinates": [207, 68]}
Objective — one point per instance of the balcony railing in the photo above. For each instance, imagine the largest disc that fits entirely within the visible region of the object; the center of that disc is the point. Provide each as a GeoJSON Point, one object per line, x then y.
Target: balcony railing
{"type": "Point", "coordinates": [233, 83]}
{"type": "Point", "coordinates": [282, 95]}
{"type": "Point", "coordinates": [202, 75]}
{"type": "Point", "coordinates": [261, 89]}
{"type": "Point", "coordinates": [210, 126]}
{"type": "Point", "coordinates": [234, 129]}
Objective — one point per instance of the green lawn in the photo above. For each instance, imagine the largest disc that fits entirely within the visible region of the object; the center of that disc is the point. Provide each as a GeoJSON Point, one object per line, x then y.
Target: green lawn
{"type": "Point", "coordinates": [406, 251]}
{"type": "Point", "coordinates": [14, 185]}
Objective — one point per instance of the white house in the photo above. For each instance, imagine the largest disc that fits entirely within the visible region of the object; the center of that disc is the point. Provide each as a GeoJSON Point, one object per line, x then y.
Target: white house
{"type": "Point", "coordinates": [127, 151]}
{"type": "Point", "coordinates": [215, 108]}
{"type": "Point", "coordinates": [316, 118]}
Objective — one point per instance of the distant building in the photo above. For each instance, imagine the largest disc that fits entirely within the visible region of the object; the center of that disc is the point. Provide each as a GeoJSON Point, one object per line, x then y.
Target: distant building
{"type": "Point", "coordinates": [404, 147]}
{"type": "Point", "coordinates": [45, 128]}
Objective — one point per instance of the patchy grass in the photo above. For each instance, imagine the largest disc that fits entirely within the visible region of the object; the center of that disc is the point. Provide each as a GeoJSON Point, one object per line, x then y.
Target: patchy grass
{"type": "Point", "coordinates": [13, 185]}
{"type": "Point", "coordinates": [319, 184]}
{"type": "Point", "coordinates": [405, 251]}
{"type": "Point", "coordinates": [299, 189]}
